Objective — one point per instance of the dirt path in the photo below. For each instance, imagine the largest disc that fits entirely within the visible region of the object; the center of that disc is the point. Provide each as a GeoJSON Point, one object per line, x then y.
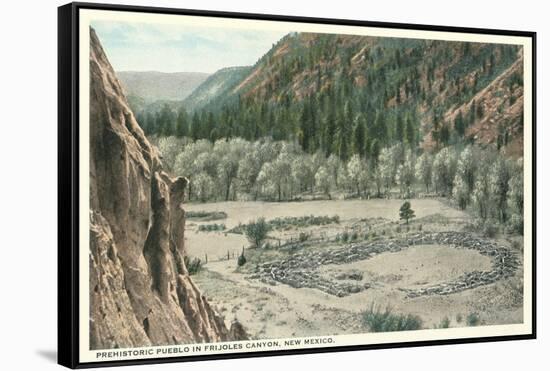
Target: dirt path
{"type": "Point", "coordinates": [274, 311]}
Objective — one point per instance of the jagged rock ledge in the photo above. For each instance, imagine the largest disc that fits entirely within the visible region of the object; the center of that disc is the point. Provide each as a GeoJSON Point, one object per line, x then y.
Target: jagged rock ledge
{"type": "Point", "coordinates": [140, 291]}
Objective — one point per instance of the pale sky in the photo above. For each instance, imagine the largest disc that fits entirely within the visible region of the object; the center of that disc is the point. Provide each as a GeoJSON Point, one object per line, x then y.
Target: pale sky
{"type": "Point", "coordinates": [181, 48]}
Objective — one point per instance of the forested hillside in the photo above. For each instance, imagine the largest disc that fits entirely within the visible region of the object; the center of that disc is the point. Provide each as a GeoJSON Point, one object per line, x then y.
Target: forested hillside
{"type": "Point", "coordinates": [353, 116]}
{"type": "Point", "coordinates": [348, 95]}
{"type": "Point", "coordinates": [217, 89]}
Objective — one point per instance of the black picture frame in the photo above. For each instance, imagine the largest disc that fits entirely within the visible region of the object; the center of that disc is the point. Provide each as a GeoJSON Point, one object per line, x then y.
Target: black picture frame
{"type": "Point", "coordinates": [68, 181]}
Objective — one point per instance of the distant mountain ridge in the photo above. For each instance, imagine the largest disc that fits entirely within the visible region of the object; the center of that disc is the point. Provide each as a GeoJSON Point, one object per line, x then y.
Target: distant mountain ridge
{"type": "Point", "coordinates": [430, 81]}
{"type": "Point", "coordinates": [157, 86]}
{"type": "Point", "coordinates": [347, 94]}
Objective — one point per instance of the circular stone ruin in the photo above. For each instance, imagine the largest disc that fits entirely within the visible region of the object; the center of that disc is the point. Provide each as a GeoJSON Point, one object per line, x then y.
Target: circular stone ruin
{"type": "Point", "coordinates": [302, 269]}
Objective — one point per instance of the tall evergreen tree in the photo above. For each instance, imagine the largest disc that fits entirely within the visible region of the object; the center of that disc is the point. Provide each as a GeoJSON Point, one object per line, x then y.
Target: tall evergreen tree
{"type": "Point", "coordinates": [359, 137]}
{"type": "Point", "coordinates": [195, 126]}
{"type": "Point", "coordinates": [410, 132]}
{"type": "Point", "coordinates": [374, 150]}
{"type": "Point", "coordinates": [472, 113]}
{"type": "Point", "coordinates": [166, 121]}
{"type": "Point", "coordinates": [151, 124]}
{"type": "Point", "coordinates": [380, 130]}
{"type": "Point", "coordinates": [399, 129]}
{"type": "Point", "coordinates": [444, 135]}
{"type": "Point", "coordinates": [459, 125]}
{"type": "Point", "coordinates": [182, 125]}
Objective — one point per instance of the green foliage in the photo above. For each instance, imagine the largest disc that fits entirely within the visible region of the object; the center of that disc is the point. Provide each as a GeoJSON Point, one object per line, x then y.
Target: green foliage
{"type": "Point", "coordinates": [303, 237]}
{"type": "Point", "coordinates": [479, 179]}
{"type": "Point", "coordinates": [241, 260]}
{"type": "Point", "coordinates": [423, 170]}
{"type": "Point", "coordinates": [459, 125]}
{"type": "Point", "coordinates": [405, 212]}
{"type": "Point", "coordinates": [344, 237]}
{"type": "Point", "coordinates": [445, 323]}
{"type": "Point", "coordinates": [515, 224]}
{"type": "Point", "coordinates": [357, 106]}
{"type": "Point", "coordinates": [286, 223]}
{"type": "Point", "coordinates": [499, 178]}
{"type": "Point", "coordinates": [472, 319]}
{"type": "Point", "coordinates": [378, 320]}
{"type": "Point", "coordinates": [323, 180]}
{"type": "Point", "coordinates": [489, 229]}
{"type": "Point", "coordinates": [211, 227]}
{"type": "Point", "coordinates": [206, 215]}
{"type": "Point", "coordinates": [443, 171]}
{"type": "Point", "coordinates": [194, 265]}
{"type": "Point", "coordinates": [256, 232]}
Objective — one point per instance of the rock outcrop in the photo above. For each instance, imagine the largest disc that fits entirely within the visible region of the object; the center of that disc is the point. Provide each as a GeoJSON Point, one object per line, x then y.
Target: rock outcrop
{"type": "Point", "coordinates": [140, 291]}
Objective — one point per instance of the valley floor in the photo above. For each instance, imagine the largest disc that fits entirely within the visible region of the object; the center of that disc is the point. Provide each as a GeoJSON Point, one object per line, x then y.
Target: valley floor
{"type": "Point", "coordinates": [271, 309]}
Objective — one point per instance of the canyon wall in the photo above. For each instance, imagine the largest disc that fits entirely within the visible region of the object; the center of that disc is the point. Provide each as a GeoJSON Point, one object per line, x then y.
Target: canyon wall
{"type": "Point", "coordinates": [140, 291]}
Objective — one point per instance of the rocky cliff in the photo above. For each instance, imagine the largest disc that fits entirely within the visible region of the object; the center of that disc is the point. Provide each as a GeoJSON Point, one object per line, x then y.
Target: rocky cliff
{"type": "Point", "coordinates": [140, 291]}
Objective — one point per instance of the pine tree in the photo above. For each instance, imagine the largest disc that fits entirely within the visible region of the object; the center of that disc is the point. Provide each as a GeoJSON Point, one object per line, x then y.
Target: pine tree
{"type": "Point", "coordinates": [410, 133]}
{"type": "Point", "coordinates": [307, 127]}
{"type": "Point", "coordinates": [374, 150]}
{"type": "Point", "coordinates": [436, 131]}
{"type": "Point", "coordinates": [160, 124]}
{"type": "Point", "coordinates": [479, 111]}
{"type": "Point", "coordinates": [241, 260]}
{"type": "Point", "coordinates": [380, 131]}
{"type": "Point", "coordinates": [165, 121]}
{"type": "Point", "coordinates": [182, 124]}
{"type": "Point", "coordinates": [195, 126]}
{"type": "Point", "coordinates": [444, 135]}
{"type": "Point", "coordinates": [472, 113]}
{"type": "Point", "coordinates": [405, 212]}
{"type": "Point", "coordinates": [359, 138]}
{"type": "Point", "coordinates": [399, 129]}
{"type": "Point", "coordinates": [459, 125]}
{"type": "Point", "coordinates": [343, 148]}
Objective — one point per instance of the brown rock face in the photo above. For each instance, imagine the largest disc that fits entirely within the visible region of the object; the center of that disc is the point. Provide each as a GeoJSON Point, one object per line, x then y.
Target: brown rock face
{"type": "Point", "coordinates": [140, 291]}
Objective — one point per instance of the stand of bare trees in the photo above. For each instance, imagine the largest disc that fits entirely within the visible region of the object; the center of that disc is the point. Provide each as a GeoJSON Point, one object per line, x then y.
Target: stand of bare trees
{"type": "Point", "coordinates": [482, 180]}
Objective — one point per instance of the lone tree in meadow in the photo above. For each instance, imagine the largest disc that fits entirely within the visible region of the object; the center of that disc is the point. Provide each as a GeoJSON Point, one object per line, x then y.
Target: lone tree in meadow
{"type": "Point", "coordinates": [405, 212]}
{"type": "Point", "coordinates": [256, 232]}
{"type": "Point", "coordinates": [241, 260]}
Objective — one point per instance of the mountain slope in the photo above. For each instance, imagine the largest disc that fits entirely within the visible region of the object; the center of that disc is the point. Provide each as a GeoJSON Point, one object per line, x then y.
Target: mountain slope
{"type": "Point", "coordinates": [394, 79]}
{"type": "Point", "coordinates": [496, 112]}
{"type": "Point", "coordinates": [349, 94]}
{"type": "Point", "coordinates": [153, 86]}
{"type": "Point", "coordinates": [140, 291]}
{"type": "Point", "coordinates": [216, 87]}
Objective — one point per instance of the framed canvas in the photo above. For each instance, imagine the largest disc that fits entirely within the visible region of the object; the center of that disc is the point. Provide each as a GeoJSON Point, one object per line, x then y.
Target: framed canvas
{"type": "Point", "coordinates": [239, 185]}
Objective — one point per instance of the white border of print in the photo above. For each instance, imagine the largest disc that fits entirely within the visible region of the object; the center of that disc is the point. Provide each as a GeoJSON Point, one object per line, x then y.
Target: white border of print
{"type": "Point", "coordinates": [86, 355]}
